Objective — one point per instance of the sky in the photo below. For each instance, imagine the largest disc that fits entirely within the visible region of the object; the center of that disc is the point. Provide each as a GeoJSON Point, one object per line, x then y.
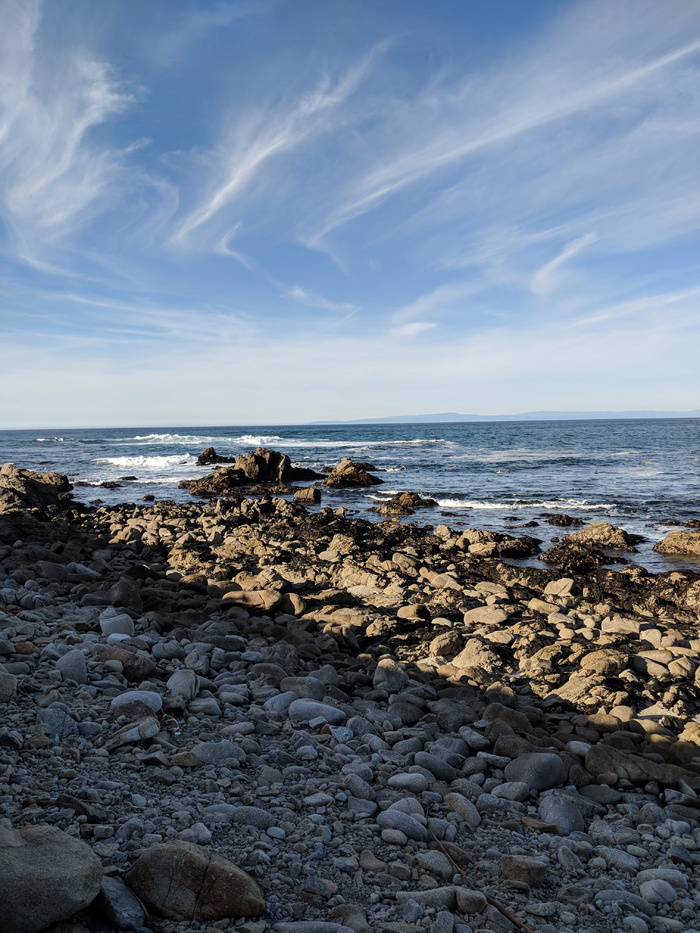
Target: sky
{"type": "Point", "coordinates": [280, 211]}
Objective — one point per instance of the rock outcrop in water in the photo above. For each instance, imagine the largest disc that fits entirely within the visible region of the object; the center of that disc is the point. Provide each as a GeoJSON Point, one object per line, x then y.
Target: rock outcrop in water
{"type": "Point", "coordinates": [349, 473]}
{"type": "Point", "coordinates": [241, 706]}
{"type": "Point", "coordinates": [259, 466]}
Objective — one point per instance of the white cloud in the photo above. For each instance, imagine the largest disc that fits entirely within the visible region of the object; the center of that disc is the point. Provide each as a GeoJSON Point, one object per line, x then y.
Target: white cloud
{"type": "Point", "coordinates": [251, 143]}
{"type": "Point", "coordinates": [544, 280]}
{"type": "Point", "coordinates": [312, 300]}
{"type": "Point", "coordinates": [53, 173]}
{"type": "Point", "coordinates": [411, 330]}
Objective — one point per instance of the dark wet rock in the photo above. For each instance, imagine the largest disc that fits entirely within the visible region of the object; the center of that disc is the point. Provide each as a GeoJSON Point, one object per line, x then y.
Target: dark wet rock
{"type": "Point", "coordinates": [350, 473]}
{"type": "Point", "coordinates": [259, 466]}
{"type": "Point", "coordinates": [209, 456]}
{"type": "Point", "coordinates": [563, 521]}
{"type": "Point", "coordinates": [403, 503]}
{"type": "Point", "coordinates": [573, 558]}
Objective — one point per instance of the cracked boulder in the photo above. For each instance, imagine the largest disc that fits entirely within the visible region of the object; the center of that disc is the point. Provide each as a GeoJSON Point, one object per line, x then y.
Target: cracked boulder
{"type": "Point", "coordinates": [184, 881]}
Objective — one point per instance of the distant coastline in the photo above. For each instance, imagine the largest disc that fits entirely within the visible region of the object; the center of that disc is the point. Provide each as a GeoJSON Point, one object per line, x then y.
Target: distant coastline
{"type": "Point", "coordinates": [451, 416]}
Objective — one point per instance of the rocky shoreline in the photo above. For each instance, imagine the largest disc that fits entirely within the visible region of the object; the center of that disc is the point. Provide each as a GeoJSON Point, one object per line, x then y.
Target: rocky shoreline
{"type": "Point", "coordinates": [239, 714]}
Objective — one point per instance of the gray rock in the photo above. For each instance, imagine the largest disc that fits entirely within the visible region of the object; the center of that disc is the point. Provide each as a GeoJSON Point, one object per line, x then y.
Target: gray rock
{"type": "Point", "coordinates": [8, 686]}
{"type": "Point", "coordinates": [73, 666]}
{"type": "Point", "coordinates": [116, 623]}
{"type": "Point", "coordinates": [148, 698]}
{"type": "Point", "coordinates": [658, 891]}
{"type": "Point", "coordinates": [441, 769]}
{"type": "Point", "coordinates": [512, 790]}
{"type": "Point", "coordinates": [562, 813]}
{"type": "Point", "coordinates": [305, 710]}
{"type": "Point", "coordinates": [184, 683]}
{"type": "Point", "coordinates": [538, 771]}
{"type": "Point", "coordinates": [359, 788]}
{"type": "Point", "coordinates": [209, 753]}
{"type": "Point", "coordinates": [58, 720]}
{"type": "Point", "coordinates": [253, 816]}
{"type": "Point", "coordinates": [45, 876]}
{"type": "Point", "coordinates": [121, 906]}
{"type": "Point", "coordinates": [403, 822]}
{"type": "Point", "coordinates": [612, 897]}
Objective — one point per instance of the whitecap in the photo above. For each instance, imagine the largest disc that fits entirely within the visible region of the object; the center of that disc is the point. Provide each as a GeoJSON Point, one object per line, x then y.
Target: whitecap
{"type": "Point", "coordinates": [147, 463]}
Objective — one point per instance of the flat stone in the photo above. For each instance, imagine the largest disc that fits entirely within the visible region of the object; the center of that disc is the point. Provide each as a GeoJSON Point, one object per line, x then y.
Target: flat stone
{"type": "Point", "coordinates": [524, 868]}
{"type": "Point", "coordinates": [253, 816]}
{"type": "Point", "coordinates": [116, 623]}
{"type": "Point", "coordinates": [121, 905]}
{"type": "Point", "coordinates": [658, 891]}
{"type": "Point", "coordinates": [304, 710]}
{"type": "Point", "coordinates": [148, 698]}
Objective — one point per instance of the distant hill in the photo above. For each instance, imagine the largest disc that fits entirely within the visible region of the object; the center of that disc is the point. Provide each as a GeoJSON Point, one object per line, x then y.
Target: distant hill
{"type": "Point", "coordinates": [525, 416]}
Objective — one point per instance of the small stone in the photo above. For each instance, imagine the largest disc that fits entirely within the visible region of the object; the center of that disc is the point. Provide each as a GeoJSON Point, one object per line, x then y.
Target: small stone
{"type": "Point", "coordinates": [524, 868]}
{"type": "Point", "coordinates": [116, 623]}
{"type": "Point", "coordinates": [561, 813]}
{"type": "Point", "coordinates": [8, 686]}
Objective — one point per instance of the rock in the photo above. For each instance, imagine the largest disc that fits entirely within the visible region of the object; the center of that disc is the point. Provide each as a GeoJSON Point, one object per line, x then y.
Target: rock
{"type": "Point", "coordinates": [45, 876]}
{"type": "Point", "coordinates": [573, 558]}
{"type": "Point", "coordinates": [259, 466]}
{"type": "Point", "coordinates": [562, 813]}
{"type": "Point", "coordinates": [121, 906]}
{"type": "Point", "coordinates": [404, 823]}
{"type": "Point", "coordinates": [390, 675]}
{"type": "Point", "coordinates": [209, 456]}
{"type": "Point", "coordinates": [141, 699]}
{"type": "Point", "coordinates": [602, 535]}
{"type": "Point", "coordinates": [306, 710]}
{"type": "Point", "coordinates": [308, 496]}
{"type": "Point", "coordinates": [26, 491]}
{"type": "Point", "coordinates": [183, 881]}
{"type": "Point", "coordinates": [184, 683]}
{"type": "Point", "coordinates": [131, 734]}
{"type": "Point", "coordinates": [524, 868]}
{"type": "Point", "coordinates": [538, 771]}
{"type": "Point", "coordinates": [658, 891]}
{"type": "Point", "coordinates": [73, 666]}
{"type": "Point", "coordinates": [8, 686]}
{"type": "Point", "coordinates": [349, 473]}
{"type": "Point", "coordinates": [681, 543]}
{"type": "Point", "coordinates": [116, 623]}
{"type": "Point", "coordinates": [403, 503]}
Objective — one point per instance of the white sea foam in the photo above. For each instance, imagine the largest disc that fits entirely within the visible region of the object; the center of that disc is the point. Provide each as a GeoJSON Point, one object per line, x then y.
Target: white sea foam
{"type": "Point", "coordinates": [147, 463]}
{"type": "Point", "coordinates": [48, 440]}
{"type": "Point", "coordinates": [567, 504]}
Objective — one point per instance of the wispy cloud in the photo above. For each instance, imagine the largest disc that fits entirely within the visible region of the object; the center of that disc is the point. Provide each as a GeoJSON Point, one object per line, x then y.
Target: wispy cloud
{"type": "Point", "coordinates": [544, 280]}
{"type": "Point", "coordinates": [312, 300]}
{"type": "Point", "coordinates": [252, 143]}
{"type": "Point", "coordinates": [54, 174]}
{"type": "Point", "coordinates": [411, 330]}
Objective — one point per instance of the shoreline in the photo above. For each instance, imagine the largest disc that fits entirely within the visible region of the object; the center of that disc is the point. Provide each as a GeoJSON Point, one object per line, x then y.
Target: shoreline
{"type": "Point", "coordinates": [348, 711]}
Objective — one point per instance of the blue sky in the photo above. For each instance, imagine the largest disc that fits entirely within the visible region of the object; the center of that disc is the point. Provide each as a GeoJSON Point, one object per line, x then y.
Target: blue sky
{"type": "Point", "coordinates": [264, 211]}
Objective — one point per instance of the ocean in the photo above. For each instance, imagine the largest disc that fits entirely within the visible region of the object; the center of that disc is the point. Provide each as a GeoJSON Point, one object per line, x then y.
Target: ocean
{"type": "Point", "coordinates": [498, 475]}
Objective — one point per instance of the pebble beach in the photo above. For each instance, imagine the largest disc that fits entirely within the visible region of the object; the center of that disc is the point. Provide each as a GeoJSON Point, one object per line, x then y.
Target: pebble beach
{"type": "Point", "coordinates": [238, 712]}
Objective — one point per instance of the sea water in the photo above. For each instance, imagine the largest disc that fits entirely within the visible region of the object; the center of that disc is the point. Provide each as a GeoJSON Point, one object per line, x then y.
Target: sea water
{"type": "Point", "coordinates": [497, 475]}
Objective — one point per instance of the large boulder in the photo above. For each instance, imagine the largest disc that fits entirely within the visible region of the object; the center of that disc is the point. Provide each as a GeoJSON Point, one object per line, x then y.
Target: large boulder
{"type": "Point", "coordinates": [573, 558]}
{"type": "Point", "coordinates": [603, 535]}
{"type": "Point", "coordinates": [45, 876]}
{"type": "Point", "coordinates": [24, 490]}
{"type": "Point", "coordinates": [350, 473]}
{"type": "Point", "coordinates": [680, 543]}
{"type": "Point", "coordinates": [184, 881]}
